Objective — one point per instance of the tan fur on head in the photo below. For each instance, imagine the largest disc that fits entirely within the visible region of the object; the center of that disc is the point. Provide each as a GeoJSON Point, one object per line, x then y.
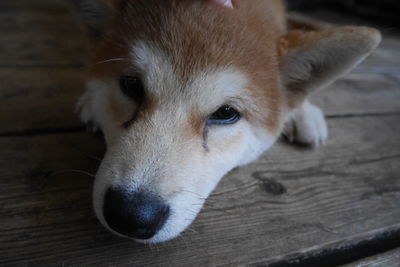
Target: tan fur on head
{"type": "Point", "coordinates": [193, 57]}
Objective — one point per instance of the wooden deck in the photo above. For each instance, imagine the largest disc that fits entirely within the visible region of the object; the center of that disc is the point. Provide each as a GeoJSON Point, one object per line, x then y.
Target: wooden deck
{"type": "Point", "coordinates": [339, 204]}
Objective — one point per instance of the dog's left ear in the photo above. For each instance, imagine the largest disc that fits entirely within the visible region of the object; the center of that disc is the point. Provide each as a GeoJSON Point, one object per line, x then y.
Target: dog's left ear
{"type": "Point", "coordinates": [312, 60]}
{"type": "Point", "coordinates": [95, 14]}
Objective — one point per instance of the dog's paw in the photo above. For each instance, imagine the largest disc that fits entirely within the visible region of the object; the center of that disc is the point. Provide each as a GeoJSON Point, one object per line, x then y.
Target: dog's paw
{"type": "Point", "coordinates": [307, 126]}
{"type": "Point", "coordinates": [85, 110]}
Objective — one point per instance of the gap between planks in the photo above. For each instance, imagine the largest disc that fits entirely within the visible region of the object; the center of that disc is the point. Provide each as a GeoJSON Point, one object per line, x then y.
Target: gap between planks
{"type": "Point", "coordinates": [83, 129]}
{"type": "Point", "coordinates": [380, 243]}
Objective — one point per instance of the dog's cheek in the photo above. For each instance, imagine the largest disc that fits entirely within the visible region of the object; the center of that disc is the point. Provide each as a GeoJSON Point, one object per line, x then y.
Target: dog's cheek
{"type": "Point", "coordinates": [224, 138]}
{"type": "Point", "coordinates": [240, 145]}
{"type": "Point", "coordinates": [226, 144]}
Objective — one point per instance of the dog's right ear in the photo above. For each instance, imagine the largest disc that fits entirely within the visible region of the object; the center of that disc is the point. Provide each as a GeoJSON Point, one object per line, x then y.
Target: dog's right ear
{"type": "Point", "coordinates": [94, 14]}
{"type": "Point", "coordinates": [312, 60]}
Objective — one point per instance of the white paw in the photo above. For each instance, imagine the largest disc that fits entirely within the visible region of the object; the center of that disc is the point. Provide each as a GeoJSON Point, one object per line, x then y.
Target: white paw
{"type": "Point", "coordinates": [85, 110]}
{"type": "Point", "coordinates": [307, 126]}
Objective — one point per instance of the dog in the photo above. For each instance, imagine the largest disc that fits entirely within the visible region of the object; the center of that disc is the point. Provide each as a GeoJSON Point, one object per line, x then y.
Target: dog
{"type": "Point", "coordinates": [186, 90]}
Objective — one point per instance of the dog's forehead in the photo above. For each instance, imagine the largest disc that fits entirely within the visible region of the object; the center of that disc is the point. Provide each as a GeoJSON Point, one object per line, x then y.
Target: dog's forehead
{"type": "Point", "coordinates": [202, 85]}
{"type": "Point", "coordinates": [191, 36]}
{"type": "Point", "coordinates": [195, 36]}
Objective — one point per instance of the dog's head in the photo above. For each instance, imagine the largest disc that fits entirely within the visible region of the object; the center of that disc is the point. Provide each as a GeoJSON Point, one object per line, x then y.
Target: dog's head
{"type": "Point", "coordinates": [184, 91]}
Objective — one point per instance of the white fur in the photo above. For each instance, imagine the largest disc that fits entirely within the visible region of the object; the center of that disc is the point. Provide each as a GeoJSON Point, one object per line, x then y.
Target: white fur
{"type": "Point", "coordinates": [86, 104]}
{"type": "Point", "coordinates": [307, 125]}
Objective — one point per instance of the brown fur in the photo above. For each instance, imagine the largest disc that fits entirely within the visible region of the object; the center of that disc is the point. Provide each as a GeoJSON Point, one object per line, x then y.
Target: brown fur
{"type": "Point", "coordinates": [197, 36]}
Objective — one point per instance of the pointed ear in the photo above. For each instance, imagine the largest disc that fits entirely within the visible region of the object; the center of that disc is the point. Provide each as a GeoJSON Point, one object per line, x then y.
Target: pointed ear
{"type": "Point", "coordinates": [312, 60]}
{"type": "Point", "coordinates": [94, 14]}
{"type": "Point", "coordinates": [225, 3]}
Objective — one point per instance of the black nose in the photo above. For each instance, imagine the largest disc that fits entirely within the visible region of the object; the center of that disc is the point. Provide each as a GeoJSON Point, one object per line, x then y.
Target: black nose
{"type": "Point", "coordinates": [137, 215]}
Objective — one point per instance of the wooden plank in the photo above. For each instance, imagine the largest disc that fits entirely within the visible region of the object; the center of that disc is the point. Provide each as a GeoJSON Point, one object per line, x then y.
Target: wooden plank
{"type": "Point", "coordinates": [39, 33]}
{"type": "Point", "coordinates": [388, 259]}
{"type": "Point", "coordinates": [386, 59]}
{"type": "Point", "coordinates": [42, 6]}
{"type": "Point", "coordinates": [33, 14]}
{"type": "Point", "coordinates": [360, 94]}
{"type": "Point", "coordinates": [33, 49]}
{"type": "Point", "coordinates": [37, 98]}
{"type": "Point", "coordinates": [291, 201]}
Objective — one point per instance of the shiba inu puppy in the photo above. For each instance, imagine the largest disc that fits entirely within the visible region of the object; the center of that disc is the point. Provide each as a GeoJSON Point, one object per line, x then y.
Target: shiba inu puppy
{"type": "Point", "coordinates": [186, 90]}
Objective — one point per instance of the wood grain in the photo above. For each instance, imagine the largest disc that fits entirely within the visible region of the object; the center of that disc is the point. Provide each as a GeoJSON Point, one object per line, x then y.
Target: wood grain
{"type": "Point", "coordinates": [386, 59]}
{"type": "Point", "coordinates": [388, 259]}
{"type": "Point", "coordinates": [360, 94]}
{"type": "Point", "coordinates": [40, 33]}
{"type": "Point", "coordinates": [291, 204]}
{"type": "Point", "coordinates": [37, 98]}
{"type": "Point", "coordinates": [291, 201]}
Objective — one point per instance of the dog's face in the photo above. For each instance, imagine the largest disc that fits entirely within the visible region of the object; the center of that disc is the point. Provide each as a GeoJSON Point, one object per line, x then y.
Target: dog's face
{"type": "Point", "coordinates": [166, 155]}
{"type": "Point", "coordinates": [184, 91]}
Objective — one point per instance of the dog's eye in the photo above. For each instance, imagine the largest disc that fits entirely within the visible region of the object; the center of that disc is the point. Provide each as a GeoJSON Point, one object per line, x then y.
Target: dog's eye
{"type": "Point", "coordinates": [224, 115]}
{"type": "Point", "coordinates": [132, 87]}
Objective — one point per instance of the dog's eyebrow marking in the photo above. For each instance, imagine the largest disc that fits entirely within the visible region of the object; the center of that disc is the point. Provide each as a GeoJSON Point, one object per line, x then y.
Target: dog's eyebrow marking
{"type": "Point", "coordinates": [141, 99]}
{"type": "Point", "coordinates": [129, 123]}
{"type": "Point", "coordinates": [205, 137]}
{"type": "Point", "coordinates": [134, 117]}
{"type": "Point", "coordinates": [144, 109]}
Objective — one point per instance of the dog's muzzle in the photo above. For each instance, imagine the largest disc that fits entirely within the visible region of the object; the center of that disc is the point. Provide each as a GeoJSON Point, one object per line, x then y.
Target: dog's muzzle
{"type": "Point", "coordinates": [137, 215]}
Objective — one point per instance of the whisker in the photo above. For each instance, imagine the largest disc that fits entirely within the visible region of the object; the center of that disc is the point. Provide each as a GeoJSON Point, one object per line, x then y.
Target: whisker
{"type": "Point", "coordinates": [74, 171]}
{"type": "Point", "coordinates": [150, 246]}
{"type": "Point", "coordinates": [181, 239]}
{"type": "Point", "coordinates": [199, 204]}
{"type": "Point", "coordinates": [93, 157]}
{"type": "Point", "coordinates": [87, 155]}
{"type": "Point", "coordinates": [111, 60]}
{"type": "Point", "coordinates": [192, 230]}
{"type": "Point", "coordinates": [191, 211]}
{"type": "Point", "coordinates": [153, 246]}
{"type": "Point", "coordinates": [194, 193]}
